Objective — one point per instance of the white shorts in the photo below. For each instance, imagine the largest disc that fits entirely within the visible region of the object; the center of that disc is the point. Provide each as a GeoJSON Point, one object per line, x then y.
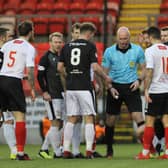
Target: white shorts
{"type": "Point", "coordinates": [55, 109]}
{"type": "Point", "coordinates": [8, 116]}
{"type": "Point", "coordinates": [80, 103]}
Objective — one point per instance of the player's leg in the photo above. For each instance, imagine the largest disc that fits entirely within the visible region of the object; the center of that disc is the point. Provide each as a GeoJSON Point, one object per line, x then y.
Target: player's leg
{"type": "Point", "coordinates": [9, 133]}
{"type": "Point", "coordinates": [86, 101]}
{"type": "Point", "coordinates": [153, 110]}
{"type": "Point", "coordinates": [55, 134]}
{"type": "Point", "coordinates": [18, 107]}
{"type": "Point", "coordinates": [159, 139]}
{"type": "Point", "coordinates": [165, 123]}
{"type": "Point", "coordinates": [76, 139]}
{"type": "Point", "coordinates": [72, 113]}
{"type": "Point", "coordinates": [109, 134]}
{"type": "Point", "coordinates": [112, 113]}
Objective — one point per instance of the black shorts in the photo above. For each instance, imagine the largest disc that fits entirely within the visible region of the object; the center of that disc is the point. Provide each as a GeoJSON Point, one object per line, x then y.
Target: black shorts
{"type": "Point", "coordinates": [159, 105]}
{"type": "Point", "coordinates": [11, 94]}
{"type": "Point", "coordinates": [131, 99]}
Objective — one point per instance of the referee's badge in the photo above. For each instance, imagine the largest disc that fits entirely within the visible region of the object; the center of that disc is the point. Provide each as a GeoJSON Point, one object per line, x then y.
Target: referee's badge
{"type": "Point", "coordinates": [132, 64]}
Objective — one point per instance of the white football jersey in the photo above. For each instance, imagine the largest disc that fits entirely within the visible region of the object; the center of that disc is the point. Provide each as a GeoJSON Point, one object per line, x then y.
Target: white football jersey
{"type": "Point", "coordinates": [157, 58]}
{"type": "Point", "coordinates": [18, 54]}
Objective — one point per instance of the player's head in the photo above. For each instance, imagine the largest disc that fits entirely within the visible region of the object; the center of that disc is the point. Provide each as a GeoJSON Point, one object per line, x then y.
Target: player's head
{"type": "Point", "coordinates": [164, 34]}
{"type": "Point", "coordinates": [56, 41]}
{"type": "Point", "coordinates": [154, 34]}
{"type": "Point", "coordinates": [87, 30]}
{"type": "Point", "coordinates": [26, 29]}
{"type": "Point", "coordinates": [123, 37]}
{"type": "Point", "coordinates": [75, 31]}
{"type": "Point", "coordinates": [3, 35]}
{"type": "Point", "coordinates": [146, 38]}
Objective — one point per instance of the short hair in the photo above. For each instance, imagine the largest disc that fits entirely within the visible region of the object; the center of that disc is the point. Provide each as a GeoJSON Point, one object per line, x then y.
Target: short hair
{"type": "Point", "coordinates": [87, 26]}
{"type": "Point", "coordinates": [154, 32]}
{"type": "Point", "coordinates": [55, 34]}
{"type": "Point", "coordinates": [123, 28]}
{"type": "Point", "coordinates": [145, 30]}
{"type": "Point", "coordinates": [76, 25]}
{"type": "Point", "coordinates": [164, 28]}
{"type": "Point", "coordinates": [25, 27]}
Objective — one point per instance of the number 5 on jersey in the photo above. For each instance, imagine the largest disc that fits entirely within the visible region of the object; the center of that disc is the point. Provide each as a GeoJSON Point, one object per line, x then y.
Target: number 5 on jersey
{"type": "Point", "coordinates": [11, 58]}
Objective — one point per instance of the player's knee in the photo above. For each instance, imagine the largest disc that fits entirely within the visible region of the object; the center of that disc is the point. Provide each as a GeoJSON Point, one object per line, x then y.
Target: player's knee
{"type": "Point", "coordinates": [9, 122]}
{"type": "Point", "coordinates": [140, 129]}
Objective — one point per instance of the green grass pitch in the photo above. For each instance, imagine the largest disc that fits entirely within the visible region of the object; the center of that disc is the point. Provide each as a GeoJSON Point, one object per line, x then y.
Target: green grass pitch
{"type": "Point", "coordinates": [123, 158]}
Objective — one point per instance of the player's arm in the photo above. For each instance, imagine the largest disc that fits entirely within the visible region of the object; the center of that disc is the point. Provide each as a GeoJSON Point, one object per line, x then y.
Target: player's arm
{"type": "Point", "coordinates": [1, 118]}
{"type": "Point", "coordinates": [142, 72]}
{"type": "Point", "coordinates": [1, 59]}
{"type": "Point", "coordinates": [147, 83]}
{"type": "Point", "coordinates": [99, 71]}
{"type": "Point", "coordinates": [41, 77]}
{"type": "Point", "coordinates": [61, 70]}
{"type": "Point", "coordinates": [30, 73]}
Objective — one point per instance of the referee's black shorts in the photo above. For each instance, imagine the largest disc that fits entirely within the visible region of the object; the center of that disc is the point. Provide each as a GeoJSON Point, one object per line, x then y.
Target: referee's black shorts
{"type": "Point", "coordinates": [131, 98]}
{"type": "Point", "coordinates": [12, 96]}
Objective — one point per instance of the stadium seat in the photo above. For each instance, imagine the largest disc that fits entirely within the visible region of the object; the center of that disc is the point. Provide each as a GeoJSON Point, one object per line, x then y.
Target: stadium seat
{"type": "Point", "coordinates": [77, 8]}
{"type": "Point", "coordinates": [32, 1]}
{"type": "Point", "coordinates": [94, 8]}
{"type": "Point", "coordinates": [57, 25]}
{"type": "Point", "coordinates": [113, 8]}
{"type": "Point", "coordinates": [111, 24]}
{"type": "Point", "coordinates": [164, 8]}
{"type": "Point", "coordinates": [94, 20]}
{"type": "Point", "coordinates": [27, 8]}
{"type": "Point", "coordinates": [48, 1]}
{"type": "Point", "coordinates": [10, 9]}
{"type": "Point", "coordinates": [41, 26]}
{"type": "Point", "coordinates": [97, 1]}
{"type": "Point", "coordinates": [84, 1]}
{"type": "Point", "coordinates": [44, 8]}
{"type": "Point", "coordinates": [1, 8]}
{"type": "Point", "coordinates": [60, 8]}
{"type": "Point", "coordinates": [65, 1]}
{"type": "Point", "coordinates": [162, 21]}
{"type": "Point", "coordinates": [41, 48]}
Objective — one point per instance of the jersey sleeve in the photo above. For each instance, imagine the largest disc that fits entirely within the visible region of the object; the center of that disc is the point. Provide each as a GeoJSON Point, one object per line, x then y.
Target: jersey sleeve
{"type": "Point", "coordinates": [106, 60]}
{"type": "Point", "coordinates": [93, 54]}
{"type": "Point", "coordinates": [62, 54]}
{"type": "Point", "coordinates": [31, 53]}
{"type": "Point", "coordinates": [41, 77]}
{"type": "Point", "coordinates": [141, 56]}
{"type": "Point", "coordinates": [149, 59]}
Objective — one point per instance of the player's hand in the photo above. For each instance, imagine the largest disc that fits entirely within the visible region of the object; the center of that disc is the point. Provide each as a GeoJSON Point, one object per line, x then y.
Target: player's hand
{"type": "Point", "coordinates": [135, 85]}
{"type": "Point", "coordinates": [147, 97]}
{"type": "Point", "coordinates": [114, 93]}
{"type": "Point", "coordinates": [108, 80]}
{"type": "Point", "coordinates": [46, 96]}
{"type": "Point", "coordinates": [98, 90]}
{"type": "Point", "coordinates": [33, 95]}
{"type": "Point", "coordinates": [1, 119]}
